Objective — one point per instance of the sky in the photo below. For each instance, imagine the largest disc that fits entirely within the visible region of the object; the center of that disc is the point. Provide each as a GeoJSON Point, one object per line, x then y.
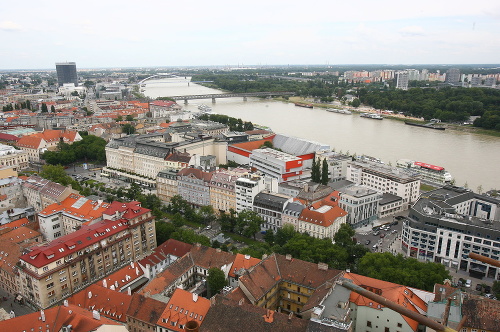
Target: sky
{"type": "Point", "coordinates": [35, 34]}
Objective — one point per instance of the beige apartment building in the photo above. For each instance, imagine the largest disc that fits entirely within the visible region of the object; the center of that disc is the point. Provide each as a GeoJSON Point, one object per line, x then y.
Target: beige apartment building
{"type": "Point", "coordinates": [51, 273]}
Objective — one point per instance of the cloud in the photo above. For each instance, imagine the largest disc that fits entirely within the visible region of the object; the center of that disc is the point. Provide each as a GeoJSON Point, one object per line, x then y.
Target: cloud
{"type": "Point", "coordinates": [413, 30]}
{"type": "Point", "coordinates": [10, 26]}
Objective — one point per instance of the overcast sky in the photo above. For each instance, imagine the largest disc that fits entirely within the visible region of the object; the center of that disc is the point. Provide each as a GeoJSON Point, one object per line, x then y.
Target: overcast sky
{"type": "Point", "coordinates": [108, 33]}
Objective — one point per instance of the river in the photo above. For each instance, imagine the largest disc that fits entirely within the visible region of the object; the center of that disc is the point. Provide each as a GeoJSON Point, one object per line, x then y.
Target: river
{"type": "Point", "coordinates": [473, 159]}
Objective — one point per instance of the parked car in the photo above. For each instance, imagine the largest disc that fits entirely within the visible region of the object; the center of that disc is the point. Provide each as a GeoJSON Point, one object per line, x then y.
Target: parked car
{"type": "Point", "coordinates": [376, 233]}
{"type": "Point", "coordinates": [208, 227]}
{"type": "Point", "coordinates": [367, 242]}
{"type": "Point", "coordinates": [382, 235]}
{"type": "Point", "coordinates": [399, 218]}
{"type": "Point", "coordinates": [479, 287]}
{"type": "Point", "coordinates": [468, 283]}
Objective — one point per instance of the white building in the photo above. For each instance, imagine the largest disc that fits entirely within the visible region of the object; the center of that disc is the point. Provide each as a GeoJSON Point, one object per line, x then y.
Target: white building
{"type": "Point", "coordinates": [247, 187]}
{"type": "Point", "coordinates": [361, 204]}
{"type": "Point", "coordinates": [448, 223]}
{"type": "Point", "coordinates": [277, 164]}
{"type": "Point", "coordinates": [9, 156]}
{"type": "Point", "coordinates": [385, 179]}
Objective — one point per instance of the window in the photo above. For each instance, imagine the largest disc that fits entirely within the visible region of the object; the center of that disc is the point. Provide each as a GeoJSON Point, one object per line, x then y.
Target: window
{"type": "Point", "coordinates": [49, 286]}
{"type": "Point", "coordinates": [368, 323]}
{"type": "Point", "coordinates": [400, 325]}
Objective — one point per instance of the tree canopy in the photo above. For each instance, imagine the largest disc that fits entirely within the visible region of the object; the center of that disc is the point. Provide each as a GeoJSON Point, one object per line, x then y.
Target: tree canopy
{"type": "Point", "coordinates": [216, 280]}
{"type": "Point", "coordinates": [90, 148]}
{"type": "Point", "coordinates": [401, 270]}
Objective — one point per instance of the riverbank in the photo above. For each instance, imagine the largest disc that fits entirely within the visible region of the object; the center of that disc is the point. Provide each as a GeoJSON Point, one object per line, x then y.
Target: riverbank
{"type": "Point", "coordinates": [398, 117]}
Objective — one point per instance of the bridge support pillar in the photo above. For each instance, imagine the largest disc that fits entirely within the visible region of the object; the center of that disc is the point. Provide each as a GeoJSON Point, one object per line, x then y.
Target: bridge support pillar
{"type": "Point", "coordinates": [244, 98]}
{"type": "Point", "coordinates": [185, 101]}
{"type": "Point", "coordinates": [213, 100]}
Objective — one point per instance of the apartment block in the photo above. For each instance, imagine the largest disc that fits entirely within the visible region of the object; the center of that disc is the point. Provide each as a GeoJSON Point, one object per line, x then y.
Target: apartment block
{"type": "Point", "coordinates": [193, 186]}
{"type": "Point", "coordinates": [321, 222]}
{"type": "Point", "coordinates": [223, 188]}
{"type": "Point", "coordinates": [40, 192]}
{"type": "Point", "coordinates": [49, 274]}
{"type": "Point", "coordinates": [9, 156]}
{"type": "Point", "coordinates": [270, 207]}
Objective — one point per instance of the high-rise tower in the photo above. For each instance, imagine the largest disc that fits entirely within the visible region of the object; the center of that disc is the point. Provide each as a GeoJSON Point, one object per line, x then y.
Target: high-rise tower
{"type": "Point", "coordinates": [66, 73]}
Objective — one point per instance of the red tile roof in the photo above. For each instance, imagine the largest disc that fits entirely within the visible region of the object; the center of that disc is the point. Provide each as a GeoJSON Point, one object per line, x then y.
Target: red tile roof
{"type": "Point", "coordinates": [77, 206]}
{"type": "Point", "coordinates": [325, 217]}
{"type": "Point", "coordinates": [55, 318]}
{"type": "Point", "coordinates": [20, 234]}
{"type": "Point", "coordinates": [8, 137]}
{"type": "Point", "coordinates": [124, 276]}
{"type": "Point", "coordinates": [10, 252]}
{"type": "Point", "coordinates": [127, 210]}
{"type": "Point", "coordinates": [110, 303]}
{"type": "Point", "coordinates": [169, 247]}
{"type": "Point", "coordinates": [17, 223]}
{"type": "Point", "coordinates": [73, 242]}
{"type": "Point", "coordinates": [30, 142]}
{"type": "Point", "coordinates": [244, 262]}
{"type": "Point", "coordinates": [183, 307]}
{"type": "Point", "coordinates": [399, 294]}
{"type": "Point", "coordinates": [145, 309]}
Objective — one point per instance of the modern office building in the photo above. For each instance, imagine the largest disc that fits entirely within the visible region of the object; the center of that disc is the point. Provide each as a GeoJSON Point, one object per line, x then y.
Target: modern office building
{"type": "Point", "coordinates": [66, 73]}
{"type": "Point", "coordinates": [446, 224]}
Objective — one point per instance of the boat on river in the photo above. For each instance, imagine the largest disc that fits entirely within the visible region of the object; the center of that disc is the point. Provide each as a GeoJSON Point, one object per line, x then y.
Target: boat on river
{"type": "Point", "coordinates": [304, 105]}
{"type": "Point", "coordinates": [371, 116]}
{"type": "Point", "coordinates": [427, 172]}
{"type": "Point", "coordinates": [340, 111]}
{"type": "Point", "coordinates": [431, 125]}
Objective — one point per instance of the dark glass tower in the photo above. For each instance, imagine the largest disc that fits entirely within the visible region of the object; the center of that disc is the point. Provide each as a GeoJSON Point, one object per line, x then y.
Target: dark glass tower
{"type": "Point", "coordinates": [66, 73]}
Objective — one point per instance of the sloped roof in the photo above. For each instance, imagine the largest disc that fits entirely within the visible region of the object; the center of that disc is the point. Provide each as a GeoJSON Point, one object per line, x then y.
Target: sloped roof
{"type": "Point", "coordinates": [277, 268]}
{"type": "Point", "coordinates": [55, 318]}
{"type": "Point", "coordinates": [109, 303]}
{"type": "Point", "coordinates": [228, 315]}
{"type": "Point", "coordinates": [8, 137]}
{"type": "Point", "coordinates": [20, 234]}
{"type": "Point", "coordinates": [169, 247]}
{"type": "Point", "coordinates": [324, 216]}
{"type": "Point", "coordinates": [31, 142]}
{"type": "Point", "coordinates": [197, 173]}
{"type": "Point", "coordinates": [244, 262]}
{"type": "Point", "coordinates": [399, 294]}
{"type": "Point", "coordinates": [77, 206]}
{"type": "Point", "coordinates": [126, 275]}
{"type": "Point", "coordinates": [145, 309]}
{"type": "Point", "coordinates": [481, 313]}
{"type": "Point", "coordinates": [10, 252]}
{"type": "Point", "coordinates": [73, 242]}
{"type": "Point", "coordinates": [182, 307]}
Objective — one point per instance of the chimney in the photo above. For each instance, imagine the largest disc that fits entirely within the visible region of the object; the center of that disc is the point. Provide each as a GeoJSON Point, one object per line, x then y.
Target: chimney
{"type": "Point", "coordinates": [42, 315]}
{"type": "Point", "coordinates": [90, 295]}
{"type": "Point", "coordinates": [192, 326]}
{"type": "Point", "coordinates": [65, 303]}
{"type": "Point", "coordinates": [96, 314]}
{"type": "Point", "coordinates": [264, 256]}
{"type": "Point", "coordinates": [322, 266]}
{"type": "Point", "coordinates": [104, 283]}
{"type": "Point", "coordinates": [288, 257]}
{"type": "Point", "coordinates": [129, 291]}
{"type": "Point", "coordinates": [195, 297]}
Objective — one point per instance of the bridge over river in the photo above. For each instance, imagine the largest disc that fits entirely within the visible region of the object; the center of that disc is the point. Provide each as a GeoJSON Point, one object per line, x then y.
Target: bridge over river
{"type": "Point", "coordinates": [245, 95]}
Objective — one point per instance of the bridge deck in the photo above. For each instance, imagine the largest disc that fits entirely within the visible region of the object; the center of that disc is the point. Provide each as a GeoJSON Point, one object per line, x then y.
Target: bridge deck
{"type": "Point", "coordinates": [231, 95]}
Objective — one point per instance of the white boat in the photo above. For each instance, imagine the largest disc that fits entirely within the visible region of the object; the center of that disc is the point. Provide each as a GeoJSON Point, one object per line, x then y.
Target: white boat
{"type": "Point", "coordinates": [371, 116]}
{"type": "Point", "coordinates": [336, 110]}
{"type": "Point", "coordinates": [428, 172]}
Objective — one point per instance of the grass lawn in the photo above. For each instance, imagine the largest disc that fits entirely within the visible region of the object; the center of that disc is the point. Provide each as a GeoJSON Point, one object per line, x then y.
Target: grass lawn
{"type": "Point", "coordinates": [426, 187]}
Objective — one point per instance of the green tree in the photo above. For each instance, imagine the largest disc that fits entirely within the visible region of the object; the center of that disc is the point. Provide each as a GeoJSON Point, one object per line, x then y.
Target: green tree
{"type": "Point", "coordinates": [216, 280]}
{"type": "Point", "coordinates": [129, 117]}
{"type": "Point", "coordinates": [355, 102]}
{"type": "Point", "coordinates": [284, 234]}
{"type": "Point", "coordinates": [44, 108]}
{"type": "Point", "coordinates": [119, 118]}
{"type": "Point", "coordinates": [248, 223]}
{"type": "Point", "coordinates": [324, 173]}
{"type": "Point", "coordinates": [163, 231]}
{"type": "Point", "coordinates": [206, 214]}
{"type": "Point", "coordinates": [496, 289]}
{"type": "Point", "coordinates": [134, 191]}
{"type": "Point", "coordinates": [344, 236]}
{"type": "Point", "coordinates": [128, 129]}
